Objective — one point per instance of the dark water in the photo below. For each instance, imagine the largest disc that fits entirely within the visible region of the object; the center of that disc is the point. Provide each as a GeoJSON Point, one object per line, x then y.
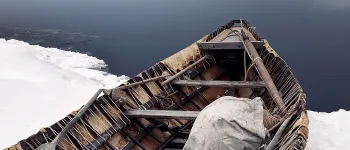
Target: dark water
{"type": "Point", "coordinates": [312, 36]}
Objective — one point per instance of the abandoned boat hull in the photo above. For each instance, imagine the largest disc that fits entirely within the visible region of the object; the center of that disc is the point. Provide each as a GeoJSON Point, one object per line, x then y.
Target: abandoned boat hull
{"type": "Point", "coordinates": [107, 126]}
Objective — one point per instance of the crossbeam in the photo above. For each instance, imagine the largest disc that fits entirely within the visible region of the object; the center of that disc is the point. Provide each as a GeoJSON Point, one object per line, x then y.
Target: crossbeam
{"type": "Point", "coordinates": [236, 45]}
{"type": "Point", "coordinates": [232, 84]}
{"type": "Point", "coordinates": [162, 114]}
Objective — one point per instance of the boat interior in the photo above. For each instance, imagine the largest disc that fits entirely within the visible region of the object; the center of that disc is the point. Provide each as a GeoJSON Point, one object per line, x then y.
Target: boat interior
{"type": "Point", "coordinates": [157, 108]}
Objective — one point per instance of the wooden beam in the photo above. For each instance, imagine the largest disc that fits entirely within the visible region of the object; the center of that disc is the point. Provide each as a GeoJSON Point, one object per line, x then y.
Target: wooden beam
{"type": "Point", "coordinates": [236, 45]}
{"type": "Point", "coordinates": [179, 141]}
{"type": "Point", "coordinates": [52, 145]}
{"type": "Point", "coordinates": [234, 84]}
{"type": "Point", "coordinates": [164, 114]}
{"type": "Point", "coordinates": [264, 74]}
{"type": "Point", "coordinates": [141, 82]}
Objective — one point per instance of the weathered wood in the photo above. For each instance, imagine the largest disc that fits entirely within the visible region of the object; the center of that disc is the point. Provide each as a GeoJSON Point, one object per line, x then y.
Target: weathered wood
{"type": "Point", "coordinates": [149, 131]}
{"type": "Point", "coordinates": [188, 99]}
{"type": "Point", "coordinates": [179, 141]}
{"type": "Point", "coordinates": [134, 140]}
{"type": "Point", "coordinates": [186, 132]}
{"type": "Point", "coordinates": [172, 136]}
{"type": "Point", "coordinates": [184, 70]}
{"type": "Point", "coordinates": [168, 114]}
{"type": "Point", "coordinates": [271, 87]}
{"type": "Point", "coordinates": [231, 84]}
{"type": "Point", "coordinates": [138, 137]}
{"type": "Point", "coordinates": [103, 137]}
{"type": "Point", "coordinates": [52, 145]}
{"type": "Point", "coordinates": [236, 45]}
{"type": "Point", "coordinates": [141, 82]}
{"type": "Point", "coordinates": [109, 145]}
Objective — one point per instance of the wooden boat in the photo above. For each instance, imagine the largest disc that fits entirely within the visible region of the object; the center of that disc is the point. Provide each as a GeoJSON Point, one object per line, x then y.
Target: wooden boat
{"type": "Point", "coordinates": [156, 109]}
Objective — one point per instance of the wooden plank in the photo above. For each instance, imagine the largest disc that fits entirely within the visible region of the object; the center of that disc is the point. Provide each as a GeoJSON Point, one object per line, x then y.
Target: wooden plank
{"type": "Point", "coordinates": [141, 82]}
{"type": "Point", "coordinates": [186, 132]}
{"type": "Point", "coordinates": [102, 138]}
{"type": "Point", "coordinates": [172, 136]}
{"type": "Point", "coordinates": [179, 141]}
{"type": "Point", "coordinates": [184, 70]}
{"type": "Point", "coordinates": [67, 128]}
{"type": "Point", "coordinates": [168, 114]}
{"type": "Point", "coordinates": [236, 45]}
{"type": "Point", "coordinates": [234, 84]}
{"type": "Point", "coordinates": [134, 140]}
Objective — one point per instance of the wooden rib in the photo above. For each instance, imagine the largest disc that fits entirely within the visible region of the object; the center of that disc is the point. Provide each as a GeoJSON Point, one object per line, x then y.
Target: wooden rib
{"type": "Point", "coordinates": [168, 114]}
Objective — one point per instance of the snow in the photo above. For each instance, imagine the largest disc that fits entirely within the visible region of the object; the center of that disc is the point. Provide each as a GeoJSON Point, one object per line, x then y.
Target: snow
{"type": "Point", "coordinates": [330, 131]}
{"type": "Point", "coordinates": [41, 85]}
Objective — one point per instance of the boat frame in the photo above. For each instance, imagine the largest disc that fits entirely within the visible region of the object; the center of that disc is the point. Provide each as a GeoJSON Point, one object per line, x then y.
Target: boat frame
{"type": "Point", "coordinates": [143, 113]}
